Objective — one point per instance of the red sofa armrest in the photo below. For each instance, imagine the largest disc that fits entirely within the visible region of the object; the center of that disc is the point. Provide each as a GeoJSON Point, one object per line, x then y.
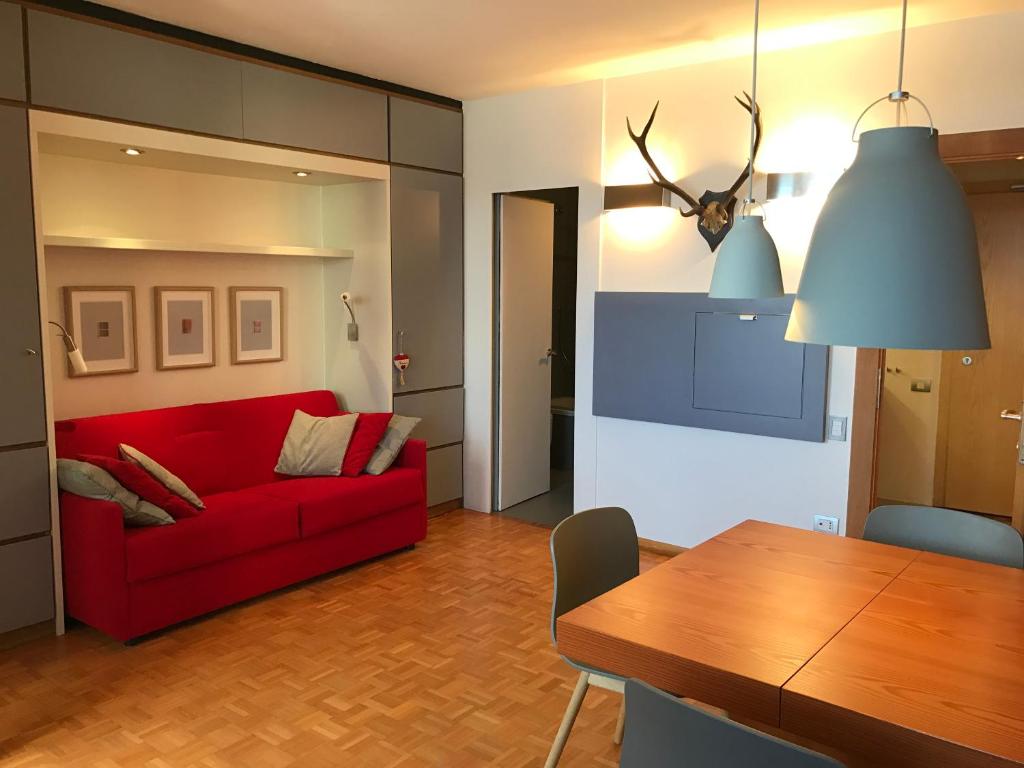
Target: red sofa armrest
{"type": "Point", "coordinates": [414, 456]}
{"type": "Point", "coordinates": [93, 556]}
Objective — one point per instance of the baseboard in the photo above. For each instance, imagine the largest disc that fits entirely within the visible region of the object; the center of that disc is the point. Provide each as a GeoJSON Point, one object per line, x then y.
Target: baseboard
{"type": "Point", "coordinates": [444, 507]}
{"type": "Point", "coordinates": [660, 547]}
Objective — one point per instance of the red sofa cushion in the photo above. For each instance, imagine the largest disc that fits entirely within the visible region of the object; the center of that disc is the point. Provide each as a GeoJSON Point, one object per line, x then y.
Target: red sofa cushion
{"type": "Point", "coordinates": [144, 485]}
{"type": "Point", "coordinates": [212, 447]}
{"type": "Point", "coordinates": [233, 523]}
{"type": "Point", "coordinates": [326, 503]}
{"type": "Point", "coordinates": [370, 429]}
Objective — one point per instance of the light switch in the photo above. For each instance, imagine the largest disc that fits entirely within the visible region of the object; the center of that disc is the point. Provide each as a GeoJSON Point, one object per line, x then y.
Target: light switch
{"type": "Point", "coordinates": [837, 428]}
{"type": "Point", "coordinates": [921, 385]}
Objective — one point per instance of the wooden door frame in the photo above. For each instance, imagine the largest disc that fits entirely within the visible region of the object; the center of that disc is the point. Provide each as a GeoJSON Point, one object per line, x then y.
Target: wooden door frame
{"type": "Point", "coordinates": [1001, 144]}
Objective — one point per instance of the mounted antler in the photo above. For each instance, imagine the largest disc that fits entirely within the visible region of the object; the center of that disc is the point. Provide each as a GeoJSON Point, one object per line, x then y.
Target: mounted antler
{"type": "Point", "coordinates": [656, 175]}
{"type": "Point", "coordinates": [714, 208]}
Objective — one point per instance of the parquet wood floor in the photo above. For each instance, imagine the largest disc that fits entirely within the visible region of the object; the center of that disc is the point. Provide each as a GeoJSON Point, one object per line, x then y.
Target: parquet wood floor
{"type": "Point", "coordinates": [438, 656]}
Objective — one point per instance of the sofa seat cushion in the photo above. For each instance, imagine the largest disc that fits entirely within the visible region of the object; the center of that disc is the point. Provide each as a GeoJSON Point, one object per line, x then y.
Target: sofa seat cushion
{"type": "Point", "coordinates": [233, 523]}
{"type": "Point", "coordinates": [327, 503]}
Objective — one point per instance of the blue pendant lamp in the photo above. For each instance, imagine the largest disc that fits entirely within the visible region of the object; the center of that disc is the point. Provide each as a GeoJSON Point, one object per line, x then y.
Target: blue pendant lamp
{"type": "Point", "coordinates": [748, 262]}
{"type": "Point", "coordinates": [893, 259]}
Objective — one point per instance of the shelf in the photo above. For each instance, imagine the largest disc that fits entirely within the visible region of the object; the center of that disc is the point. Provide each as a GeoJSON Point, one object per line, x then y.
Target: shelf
{"type": "Point", "coordinates": [133, 244]}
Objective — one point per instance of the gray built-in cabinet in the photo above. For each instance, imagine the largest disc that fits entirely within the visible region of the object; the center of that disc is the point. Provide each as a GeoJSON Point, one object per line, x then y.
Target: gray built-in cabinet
{"type": "Point", "coordinates": [297, 110]}
{"type": "Point", "coordinates": [425, 135]}
{"type": "Point", "coordinates": [12, 55]}
{"type": "Point", "coordinates": [427, 300]}
{"type": "Point", "coordinates": [26, 564]}
{"type": "Point", "coordinates": [98, 70]}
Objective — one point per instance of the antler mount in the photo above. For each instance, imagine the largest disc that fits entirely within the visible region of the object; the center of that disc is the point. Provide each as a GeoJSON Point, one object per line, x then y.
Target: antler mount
{"type": "Point", "coordinates": [714, 209]}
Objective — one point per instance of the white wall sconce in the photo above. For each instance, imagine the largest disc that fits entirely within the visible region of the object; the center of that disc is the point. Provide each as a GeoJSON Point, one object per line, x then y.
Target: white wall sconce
{"type": "Point", "coordinates": [74, 353]}
{"type": "Point", "coordinates": [353, 327]}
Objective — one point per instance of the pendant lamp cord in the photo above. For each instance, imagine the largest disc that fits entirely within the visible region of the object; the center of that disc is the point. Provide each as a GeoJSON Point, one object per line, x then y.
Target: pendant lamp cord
{"type": "Point", "coordinates": [903, 46]}
{"type": "Point", "coordinates": [753, 102]}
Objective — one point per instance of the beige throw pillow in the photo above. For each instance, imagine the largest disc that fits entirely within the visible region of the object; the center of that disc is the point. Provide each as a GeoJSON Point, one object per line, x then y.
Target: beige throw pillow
{"type": "Point", "coordinates": [315, 445]}
{"type": "Point", "coordinates": [92, 482]}
{"type": "Point", "coordinates": [391, 444]}
{"type": "Point", "coordinates": [168, 479]}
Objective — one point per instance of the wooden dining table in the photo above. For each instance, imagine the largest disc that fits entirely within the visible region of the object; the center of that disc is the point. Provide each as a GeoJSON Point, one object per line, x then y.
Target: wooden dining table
{"type": "Point", "coordinates": [878, 655]}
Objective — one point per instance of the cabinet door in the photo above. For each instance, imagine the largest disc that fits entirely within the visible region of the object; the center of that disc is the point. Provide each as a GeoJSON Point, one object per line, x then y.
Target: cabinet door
{"type": "Point", "coordinates": [22, 414]}
{"type": "Point", "coordinates": [426, 279]}
{"type": "Point", "coordinates": [440, 411]}
{"type": "Point", "coordinates": [425, 135]}
{"type": "Point", "coordinates": [25, 480]}
{"type": "Point", "coordinates": [444, 474]}
{"type": "Point", "coordinates": [26, 583]}
{"type": "Point", "coordinates": [304, 111]}
{"type": "Point", "coordinates": [94, 69]}
{"type": "Point", "coordinates": [12, 57]}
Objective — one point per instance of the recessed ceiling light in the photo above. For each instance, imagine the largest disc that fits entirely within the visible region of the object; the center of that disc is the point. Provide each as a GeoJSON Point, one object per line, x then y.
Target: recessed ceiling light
{"type": "Point", "coordinates": [1020, 157]}
{"type": "Point", "coordinates": [133, 152]}
{"type": "Point", "coordinates": [301, 174]}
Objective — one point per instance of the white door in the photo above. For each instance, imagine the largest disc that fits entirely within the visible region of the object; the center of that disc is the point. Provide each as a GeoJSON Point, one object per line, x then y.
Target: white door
{"type": "Point", "coordinates": [525, 261]}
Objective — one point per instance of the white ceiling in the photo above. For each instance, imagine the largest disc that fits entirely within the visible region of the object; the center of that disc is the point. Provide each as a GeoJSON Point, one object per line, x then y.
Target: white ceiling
{"type": "Point", "coordinates": [472, 48]}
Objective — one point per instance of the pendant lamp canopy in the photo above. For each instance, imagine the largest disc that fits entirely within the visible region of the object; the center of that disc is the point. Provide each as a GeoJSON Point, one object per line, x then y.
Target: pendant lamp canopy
{"type": "Point", "coordinates": [893, 259]}
{"type": "Point", "coordinates": [747, 266]}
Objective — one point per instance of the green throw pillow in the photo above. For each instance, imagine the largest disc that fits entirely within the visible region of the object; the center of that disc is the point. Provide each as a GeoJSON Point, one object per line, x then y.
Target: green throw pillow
{"type": "Point", "coordinates": [399, 429]}
{"type": "Point", "coordinates": [88, 480]}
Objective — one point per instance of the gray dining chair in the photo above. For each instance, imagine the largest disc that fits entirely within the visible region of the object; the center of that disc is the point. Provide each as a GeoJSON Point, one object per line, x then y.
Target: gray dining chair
{"type": "Point", "coordinates": [946, 532]}
{"type": "Point", "coordinates": [662, 727]}
{"type": "Point", "coordinates": [592, 552]}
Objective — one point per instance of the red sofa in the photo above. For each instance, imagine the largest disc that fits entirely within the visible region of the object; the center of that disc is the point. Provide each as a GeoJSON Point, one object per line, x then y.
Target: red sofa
{"type": "Point", "coordinates": [260, 531]}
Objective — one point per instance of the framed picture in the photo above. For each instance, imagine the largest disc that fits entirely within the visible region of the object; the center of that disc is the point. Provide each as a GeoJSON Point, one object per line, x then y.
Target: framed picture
{"type": "Point", "coordinates": [102, 320]}
{"type": "Point", "coordinates": [185, 334]}
{"type": "Point", "coordinates": [257, 325]}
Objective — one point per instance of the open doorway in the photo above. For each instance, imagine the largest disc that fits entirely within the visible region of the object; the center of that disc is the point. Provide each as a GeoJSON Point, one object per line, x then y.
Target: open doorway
{"type": "Point", "coordinates": [535, 251]}
{"type": "Point", "coordinates": [947, 424]}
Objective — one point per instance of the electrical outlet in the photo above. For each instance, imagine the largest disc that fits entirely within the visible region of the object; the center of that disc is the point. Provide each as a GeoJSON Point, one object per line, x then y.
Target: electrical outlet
{"type": "Point", "coordinates": [826, 524]}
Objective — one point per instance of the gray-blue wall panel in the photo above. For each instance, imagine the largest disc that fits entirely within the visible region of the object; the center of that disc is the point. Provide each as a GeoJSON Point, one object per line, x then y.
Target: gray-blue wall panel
{"type": "Point", "coordinates": [685, 359]}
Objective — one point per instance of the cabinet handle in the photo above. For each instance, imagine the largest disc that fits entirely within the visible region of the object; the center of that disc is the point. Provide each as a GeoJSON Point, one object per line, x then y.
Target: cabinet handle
{"type": "Point", "coordinates": [30, 351]}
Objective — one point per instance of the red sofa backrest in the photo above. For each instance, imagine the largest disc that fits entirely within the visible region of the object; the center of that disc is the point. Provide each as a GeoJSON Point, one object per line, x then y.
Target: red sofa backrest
{"type": "Point", "coordinates": [213, 447]}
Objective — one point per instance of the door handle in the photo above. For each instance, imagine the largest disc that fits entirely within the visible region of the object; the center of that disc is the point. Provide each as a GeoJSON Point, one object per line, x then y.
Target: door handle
{"type": "Point", "coordinates": [1010, 415]}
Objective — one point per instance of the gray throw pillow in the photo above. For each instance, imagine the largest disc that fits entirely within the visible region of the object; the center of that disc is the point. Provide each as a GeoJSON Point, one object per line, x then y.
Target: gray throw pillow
{"type": "Point", "coordinates": [315, 445]}
{"type": "Point", "coordinates": [92, 482]}
{"type": "Point", "coordinates": [164, 476]}
{"type": "Point", "coordinates": [391, 444]}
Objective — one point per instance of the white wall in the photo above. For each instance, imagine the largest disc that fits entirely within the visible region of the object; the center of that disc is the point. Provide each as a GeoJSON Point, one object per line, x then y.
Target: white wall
{"type": "Point", "coordinates": [683, 485]}
{"type": "Point", "coordinates": [360, 371]}
{"type": "Point", "coordinates": [536, 140]}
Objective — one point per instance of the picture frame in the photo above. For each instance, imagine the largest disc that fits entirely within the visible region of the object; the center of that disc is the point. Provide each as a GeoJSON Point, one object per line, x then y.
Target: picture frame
{"type": "Point", "coordinates": [257, 324]}
{"type": "Point", "coordinates": [101, 319]}
{"type": "Point", "coordinates": [186, 334]}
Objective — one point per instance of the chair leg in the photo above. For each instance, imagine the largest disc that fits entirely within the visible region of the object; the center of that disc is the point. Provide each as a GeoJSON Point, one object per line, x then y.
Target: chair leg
{"type": "Point", "coordinates": [568, 719]}
{"type": "Point", "coordinates": [620, 727]}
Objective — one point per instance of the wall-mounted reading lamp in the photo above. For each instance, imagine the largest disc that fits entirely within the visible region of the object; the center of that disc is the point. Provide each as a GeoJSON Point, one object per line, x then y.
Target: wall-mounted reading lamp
{"type": "Point", "coordinates": [74, 353]}
{"type": "Point", "coordinates": [353, 327]}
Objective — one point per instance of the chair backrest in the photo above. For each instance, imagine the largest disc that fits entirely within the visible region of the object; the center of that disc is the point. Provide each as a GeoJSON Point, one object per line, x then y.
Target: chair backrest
{"type": "Point", "coordinates": [664, 732]}
{"type": "Point", "coordinates": [592, 552]}
{"type": "Point", "coordinates": [947, 532]}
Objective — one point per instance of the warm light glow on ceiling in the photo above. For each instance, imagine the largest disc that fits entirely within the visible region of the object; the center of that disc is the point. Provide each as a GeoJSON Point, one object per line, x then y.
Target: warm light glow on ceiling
{"type": "Point", "coordinates": [703, 51]}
